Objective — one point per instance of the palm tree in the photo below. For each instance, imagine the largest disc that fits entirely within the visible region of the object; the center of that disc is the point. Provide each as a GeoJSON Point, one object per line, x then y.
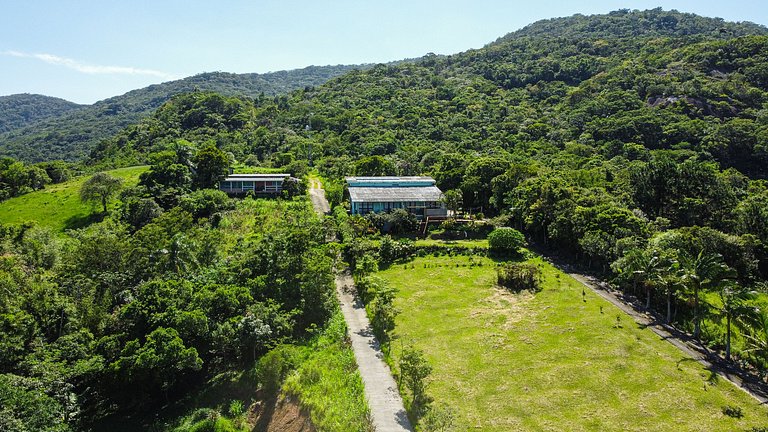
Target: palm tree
{"type": "Point", "coordinates": [757, 340]}
{"type": "Point", "coordinates": [733, 299]}
{"type": "Point", "coordinates": [668, 277]}
{"type": "Point", "coordinates": [181, 255]}
{"type": "Point", "coordinates": [704, 272]}
{"type": "Point", "coordinates": [643, 265]}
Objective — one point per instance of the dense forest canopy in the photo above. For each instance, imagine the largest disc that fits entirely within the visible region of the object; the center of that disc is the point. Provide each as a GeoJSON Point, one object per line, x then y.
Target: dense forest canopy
{"type": "Point", "coordinates": [71, 135]}
{"type": "Point", "coordinates": [19, 110]}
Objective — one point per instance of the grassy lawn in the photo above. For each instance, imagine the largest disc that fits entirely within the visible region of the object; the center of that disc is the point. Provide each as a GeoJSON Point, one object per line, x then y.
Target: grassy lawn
{"type": "Point", "coordinates": [58, 206]}
{"type": "Point", "coordinates": [551, 361]}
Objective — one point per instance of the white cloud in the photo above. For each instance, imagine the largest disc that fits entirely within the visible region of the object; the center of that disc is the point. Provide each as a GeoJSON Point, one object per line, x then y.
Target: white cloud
{"type": "Point", "coordinates": [89, 68]}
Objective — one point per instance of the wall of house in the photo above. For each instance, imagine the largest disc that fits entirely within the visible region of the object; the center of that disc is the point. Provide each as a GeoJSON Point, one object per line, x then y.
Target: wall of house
{"type": "Point", "coordinates": [248, 186]}
{"type": "Point", "coordinates": [420, 208]}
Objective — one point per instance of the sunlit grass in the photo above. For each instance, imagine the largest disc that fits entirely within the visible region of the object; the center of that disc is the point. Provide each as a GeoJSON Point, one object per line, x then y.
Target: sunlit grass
{"type": "Point", "coordinates": [561, 359]}
{"type": "Point", "coordinates": [58, 206]}
{"type": "Point", "coordinates": [328, 384]}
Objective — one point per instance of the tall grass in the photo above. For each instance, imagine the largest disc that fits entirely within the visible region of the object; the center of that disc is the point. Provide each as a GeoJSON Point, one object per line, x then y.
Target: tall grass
{"type": "Point", "coordinates": [328, 384]}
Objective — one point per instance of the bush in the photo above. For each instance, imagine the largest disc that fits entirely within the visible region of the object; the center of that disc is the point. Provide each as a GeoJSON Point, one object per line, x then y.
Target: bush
{"type": "Point", "coordinates": [506, 240]}
{"type": "Point", "coordinates": [397, 221]}
{"type": "Point", "coordinates": [275, 365]}
{"type": "Point", "coordinates": [519, 276]}
{"type": "Point", "coordinates": [205, 202]}
{"type": "Point", "coordinates": [733, 411]}
{"type": "Point", "coordinates": [391, 250]}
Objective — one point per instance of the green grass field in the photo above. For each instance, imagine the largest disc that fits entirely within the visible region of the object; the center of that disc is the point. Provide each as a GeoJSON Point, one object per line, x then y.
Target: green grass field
{"type": "Point", "coordinates": [58, 206]}
{"type": "Point", "coordinates": [551, 361]}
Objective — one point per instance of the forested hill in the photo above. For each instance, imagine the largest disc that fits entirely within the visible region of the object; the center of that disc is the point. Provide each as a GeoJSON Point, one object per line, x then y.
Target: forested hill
{"type": "Point", "coordinates": [590, 144]}
{"type": "Point", "coordinates": [72, 135]}
{"type": "Point", "coordinates": [625, 23]}
{"type": "Point", "coordinates": [20, 110]}
{"type": "Point", "coordinates": [698, 91]}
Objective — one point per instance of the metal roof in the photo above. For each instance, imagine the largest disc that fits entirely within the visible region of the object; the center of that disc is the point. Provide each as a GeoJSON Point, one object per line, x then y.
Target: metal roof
{"type": "Point", "coordinates": [389, 178]}
{"type": "Point", "coordinates": [394, 194]}
{"type": "Point", "coordinates": [256, 177]}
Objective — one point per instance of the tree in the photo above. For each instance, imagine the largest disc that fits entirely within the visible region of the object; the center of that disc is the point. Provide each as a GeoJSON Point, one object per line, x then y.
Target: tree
{"type": "Point", "coordinates": [757, 339]}
{"type": "Point", "coordinates": [733, 299]}
{"type": "Point", "coordinates": [668, 277]}
{"type": "Point", "coordinates": [506, 240]}
{"type": "Point", "coordinates": [478, 176]}
{"type": "Point", "coordinates": [643, 265]}
{"type": "Point", "coordinates": [212, 166]}
{"type": "Point", "coordinates": [453, 200]}
{"type": "Point", "coordinates": [375, 166]}
{"type": "Point", "coordinates": [161, 360]}
{"type": "Point", "coordinates": [703, 272]}
{"type": "Point", "coordinates": [414, 371]}
{"type": "Point", "coordinates": [101, 187]}
{"type": "Point", "coordinates": [138, 212]}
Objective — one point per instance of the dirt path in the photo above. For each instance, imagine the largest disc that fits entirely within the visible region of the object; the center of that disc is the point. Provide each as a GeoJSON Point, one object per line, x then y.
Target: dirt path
{"type": "Point", "coordinates": [317, 196]}
{"type": "Point", "coordinates": [690, 347]}
{"type": "Point", "coordinates": [380, 389]}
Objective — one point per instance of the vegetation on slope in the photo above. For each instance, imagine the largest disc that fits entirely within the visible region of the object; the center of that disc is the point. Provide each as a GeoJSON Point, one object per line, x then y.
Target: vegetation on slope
{"type": "Point", "coordinates": [177, 284]}
{"type": "Point", "coordinates": [71, 135]}
{"type": "Point", "coordinates": [58, 207]}
{"type": "Point", "coordinates": [20, 110]}
{"type": "Point", "coordinates": [600, 142]}
{"type": "Point", "coordinates": [603, 142]}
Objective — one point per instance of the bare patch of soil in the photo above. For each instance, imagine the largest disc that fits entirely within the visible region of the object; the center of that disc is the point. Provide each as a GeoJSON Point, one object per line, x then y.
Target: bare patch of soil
{"type": "Point", "coordinates": [510, 307]}
{"type": "Point", "coordinates": [280, 415]}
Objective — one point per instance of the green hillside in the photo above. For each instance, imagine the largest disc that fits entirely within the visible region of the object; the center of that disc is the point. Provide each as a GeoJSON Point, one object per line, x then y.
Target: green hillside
{"type": "Point", "coordinates": [58, 206]}
{"type": "Point", "coordinates": [633, 145]}
{"type": "Point", "coordinates": [20, 110]}
{"type": "Point", "coordinates": [71, 135]}
{"type": "Point", "coordinates": [612, 148]}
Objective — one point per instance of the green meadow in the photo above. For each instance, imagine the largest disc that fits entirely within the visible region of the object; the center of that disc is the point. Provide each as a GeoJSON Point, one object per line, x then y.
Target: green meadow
{"type": "Point", "coordinates": [58, 206]}
{"type": "Point", "coordinates": [559, 359]}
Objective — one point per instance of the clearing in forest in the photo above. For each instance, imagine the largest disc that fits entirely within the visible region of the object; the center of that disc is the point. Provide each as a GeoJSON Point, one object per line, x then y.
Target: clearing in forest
{"type": "Point", "coordinates": [560, 359]}
{"type": "Point", "coordinates": [58, 206]}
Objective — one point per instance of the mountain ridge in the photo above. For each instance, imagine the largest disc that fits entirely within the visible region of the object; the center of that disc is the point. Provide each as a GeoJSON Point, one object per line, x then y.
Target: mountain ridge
{"type": "Point", "coordinates": [71, 135]}
{"type": "Point", "coordinates": [21, 109]}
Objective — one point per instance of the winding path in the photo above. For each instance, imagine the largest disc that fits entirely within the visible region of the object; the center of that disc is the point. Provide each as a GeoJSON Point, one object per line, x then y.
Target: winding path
{"type": "Point", "coordinates": [384, 400]}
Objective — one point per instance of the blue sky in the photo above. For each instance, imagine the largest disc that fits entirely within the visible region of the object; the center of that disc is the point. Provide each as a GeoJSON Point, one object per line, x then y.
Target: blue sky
{"type": "Point", "coordinates": [88, 50]}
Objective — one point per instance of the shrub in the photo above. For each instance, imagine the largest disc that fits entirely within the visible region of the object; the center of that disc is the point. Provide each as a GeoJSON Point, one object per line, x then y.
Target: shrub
{"type": "Point", "coordinates": [391, 250]}
{"type": "Point", "coordinates": [274, 366]}
{"type": "Point", "coordinates": [379, 298]}
{"type": "Point", "coordinates": [205, 202]}
{"type": "Point", "coordinates": [397, 221]}
{"type": "Point", "coordinates": [506, 240]}
{"type": "Point", "coordinates": [733, 411]}
{"type": "Point", "coordinates": [519, 276]}
{"type": "Point", "coordinates": [414, 371]}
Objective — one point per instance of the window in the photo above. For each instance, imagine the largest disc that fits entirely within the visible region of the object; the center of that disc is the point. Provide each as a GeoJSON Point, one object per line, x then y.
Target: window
{"type": "Point", "coordinates": [366, 207]}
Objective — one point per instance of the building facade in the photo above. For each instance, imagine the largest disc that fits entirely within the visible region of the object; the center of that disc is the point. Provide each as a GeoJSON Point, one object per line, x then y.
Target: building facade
{"type": "Point", "coordinates": [258, 184]}
{"type": "Point", "coordinates": [417, 195]}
